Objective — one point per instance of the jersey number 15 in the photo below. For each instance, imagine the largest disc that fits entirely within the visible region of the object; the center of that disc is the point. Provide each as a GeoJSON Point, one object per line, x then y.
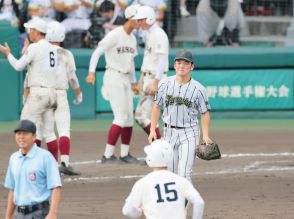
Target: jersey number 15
{"type": "Point", "coordinates": [169, 193]}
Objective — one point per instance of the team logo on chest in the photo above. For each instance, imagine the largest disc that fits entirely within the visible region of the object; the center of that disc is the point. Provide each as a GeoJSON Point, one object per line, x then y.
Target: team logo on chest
{"type": "Point", "coordinates": [148, 50]}
{"type": "Point", "coordinates": [32, 176]}
{"type": "Point", "coordinates": [125, 49]}
{"type": "Point", "coordinates": [170, 100]}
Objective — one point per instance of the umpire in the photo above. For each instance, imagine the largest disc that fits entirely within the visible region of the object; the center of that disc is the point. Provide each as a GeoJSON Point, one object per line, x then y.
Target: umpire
{"type": "Point", "coordinates": [32, 178]}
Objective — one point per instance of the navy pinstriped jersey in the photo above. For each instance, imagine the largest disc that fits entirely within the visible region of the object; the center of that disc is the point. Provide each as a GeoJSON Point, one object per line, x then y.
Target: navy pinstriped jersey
{"type": "Point", "coordinates": [181, 104]}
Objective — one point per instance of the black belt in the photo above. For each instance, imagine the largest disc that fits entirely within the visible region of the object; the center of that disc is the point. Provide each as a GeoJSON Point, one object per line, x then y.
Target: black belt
{"type": "Point", "coordinates": [150, 73]}
{"type": "Point", "coordinates": [147, 73]}
{"type": "Point", "coordinates": [27, 209]}
{"type": "Point", "coordinates": [173, 127]}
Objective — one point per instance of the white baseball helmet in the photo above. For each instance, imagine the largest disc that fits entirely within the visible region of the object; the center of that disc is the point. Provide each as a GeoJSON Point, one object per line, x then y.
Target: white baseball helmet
{"type": "Point", "coordinates": [131, 11]}
{"type": "Point", "coordinates": [146, 12]}
{"type": "Point", "coordinates": [55, 32]}
{"type": "Point", "coordinates": [159, 153]}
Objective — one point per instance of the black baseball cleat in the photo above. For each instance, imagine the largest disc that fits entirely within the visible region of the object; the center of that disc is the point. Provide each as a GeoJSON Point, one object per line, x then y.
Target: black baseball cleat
{"type": "Point", "coordinates": [143, 162]}
{"type": "Point", "coordinates": [67, 170]}
{"type": "Point", "coordinates": [129, 159]}
{"type": "Point", "coordinates": [112, 159]}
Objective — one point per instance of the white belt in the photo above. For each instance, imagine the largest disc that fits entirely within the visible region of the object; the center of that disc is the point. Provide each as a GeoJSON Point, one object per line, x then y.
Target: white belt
{"type": "Point", "coordinates": [125, 73]}
{"type": "Point", "coordinates": [35, 88]}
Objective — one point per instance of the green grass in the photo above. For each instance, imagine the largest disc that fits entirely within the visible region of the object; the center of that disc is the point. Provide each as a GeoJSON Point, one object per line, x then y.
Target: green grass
{"type": "Point", "coordinates": [216, 124]}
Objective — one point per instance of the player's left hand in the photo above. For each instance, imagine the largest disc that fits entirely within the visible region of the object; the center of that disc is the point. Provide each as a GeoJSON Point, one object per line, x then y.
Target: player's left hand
{"type": "Point", "coordinates": [135, 88]}
{"type": "Point", "coordinates": [152, 89]}
{"type": "Point", "coordinates": [207, 140]}
{"type": "Point", "coordinates": [5, 49]}
{"type": "Point", "coordinates": [90, 79]}
{"type": "Point", "coordinates": [152, 136]}
{"type": "Point", "coordinates": [79, 99]}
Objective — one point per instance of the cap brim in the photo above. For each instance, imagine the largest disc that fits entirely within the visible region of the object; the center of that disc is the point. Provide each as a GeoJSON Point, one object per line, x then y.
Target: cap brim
{"type": "Point", "coordinates": [32, 26]}
{"type": "Point", "coordinates": [23, 130]}
{"type": "Point", "coordinates": [28, 25]}
{"type": "Point", "coordinates": [138, 17]}
{"type": "Point", "coordinates": [183, 58]}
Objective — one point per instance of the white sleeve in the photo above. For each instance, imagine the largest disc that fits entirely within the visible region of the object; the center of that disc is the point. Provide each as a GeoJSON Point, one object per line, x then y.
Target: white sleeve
{"type": "Point", "coordinates": [133, 73]}
{"type": "Point", "coordinates": [73, 80]}
{"type": "Point", "coordinates": [130, 211]}
{"type": "Point", "coordinates": [18, 65]}
{"type": "Point", "coordinates": [25, 82]}
{"type": "Point", "coordinates": [195, 198]}
{"type": "Point", "coordinates": [198, 207]}
{"type": "Point", "coordinates": [161, 66]}
{"type": "Point", "coordinates": [95, 58]}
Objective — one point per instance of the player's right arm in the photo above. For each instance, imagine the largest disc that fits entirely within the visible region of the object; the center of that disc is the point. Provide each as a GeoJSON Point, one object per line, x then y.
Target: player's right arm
{"type": "Point", "coordinates": [10, 205]}
{"type": "Point", "coordinates": [106, 43]}
{"type": "Point", "coordinates": [133, 202]}
{"type": "Point", "coordinates": [93, 63]}
{"type": "Point", "coordinates": [18, 65]}
{"type": "Point", "coordinates": [155, 114]}
{"type": "Point", "coordinates": [198, 207]}
{"type": "Point", "coordinates": [194, 198]}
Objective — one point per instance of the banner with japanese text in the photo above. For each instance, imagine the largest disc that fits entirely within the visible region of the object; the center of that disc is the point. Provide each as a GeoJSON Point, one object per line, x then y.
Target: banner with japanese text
{"type": "Point", "coordinates": [257, 89]}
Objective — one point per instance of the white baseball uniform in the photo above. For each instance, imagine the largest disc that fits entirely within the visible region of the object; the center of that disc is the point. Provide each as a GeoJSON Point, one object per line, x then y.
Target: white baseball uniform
{"type": "Point", "coordinates": [155, 66]}
{"type": "Point", "coordinates": [120, 50]}
{"type": "Point", "coordinates": [65, 73]}
{"type": "Point", "coordinates": [161, 195]}
{"type": "Point", "coordinates": [181, 106]}
{"type": "Point", "coordinates": [208, 20]}
{"type": "Point", "coordinates": [41, 59]}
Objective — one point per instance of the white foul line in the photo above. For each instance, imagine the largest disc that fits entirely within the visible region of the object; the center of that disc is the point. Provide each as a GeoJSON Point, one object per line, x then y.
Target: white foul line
{"type": "Point", "coordinates": [252, 167]}
{"type": "Point", "coordinates": [223, 156]}
{"type": "Point", "coordinates": [221, 172]}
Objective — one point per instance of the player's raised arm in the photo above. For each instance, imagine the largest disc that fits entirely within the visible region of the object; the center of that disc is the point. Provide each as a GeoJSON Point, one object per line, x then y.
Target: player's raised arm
{"type": "Point", "coordinates": [18, 65]}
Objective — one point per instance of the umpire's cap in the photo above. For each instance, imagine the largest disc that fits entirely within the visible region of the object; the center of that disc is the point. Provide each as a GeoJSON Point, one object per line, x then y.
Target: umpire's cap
{"type": "Point", "coordinates": [25, 126]}
{"type": "Point", "coordinates": [184, 55]}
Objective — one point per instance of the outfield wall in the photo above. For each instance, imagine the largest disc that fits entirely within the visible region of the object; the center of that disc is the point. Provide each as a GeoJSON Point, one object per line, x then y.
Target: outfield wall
{"type": "Point", "coordinates": [237, 80]}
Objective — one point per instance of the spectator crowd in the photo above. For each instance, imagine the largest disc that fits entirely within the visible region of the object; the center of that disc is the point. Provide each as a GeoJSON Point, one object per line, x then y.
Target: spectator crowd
{"type": "Point", "coordinates": [86, 22]}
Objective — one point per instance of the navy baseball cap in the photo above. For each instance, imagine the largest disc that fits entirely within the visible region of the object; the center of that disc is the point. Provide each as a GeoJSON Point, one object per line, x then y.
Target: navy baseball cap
{"type": "Point", "coordinates": [184, 55]}
{"type": "Point", "coordinates": [25, 126]}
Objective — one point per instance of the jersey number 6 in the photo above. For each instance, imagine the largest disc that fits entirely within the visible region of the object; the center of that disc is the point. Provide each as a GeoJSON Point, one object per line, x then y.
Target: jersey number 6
{"type": "Point", "coordinates": [169, 194]}
{"type": "Point", "coordinates": [52, 60]}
